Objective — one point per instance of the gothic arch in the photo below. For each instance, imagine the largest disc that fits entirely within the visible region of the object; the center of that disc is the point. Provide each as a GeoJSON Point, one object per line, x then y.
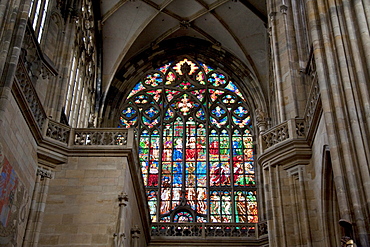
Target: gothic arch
{"type": "Point", "coordinates": [329, 203]}
{"type": "Point", "coordinates": [53, 33]}
{"type": "Point", "coordinates": [132, 70]}
{"type": "Point", "coordinates": [195, 139]}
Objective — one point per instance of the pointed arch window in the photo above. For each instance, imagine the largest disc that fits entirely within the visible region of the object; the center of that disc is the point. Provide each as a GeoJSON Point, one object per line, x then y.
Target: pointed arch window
{"type": "Point", "coordinates": [37, 14]}
{"type": "Point", "coordinates": [195, 144]}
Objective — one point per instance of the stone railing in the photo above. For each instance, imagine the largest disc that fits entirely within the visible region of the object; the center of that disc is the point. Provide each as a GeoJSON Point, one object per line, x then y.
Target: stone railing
{"type": "Point", "coordinates": [310, 69]}
{"type": "Point", "coordinates": [209, 230]}
{"type": "Point", "coordinates": [66, 135]}
{"type": "Point", "coordinates": [298, 128]}
{"type": "Point", "coordinates": [313, 103]}
{"type": "Point", "coordinates": [36, 63]}
{"type": "Point", "coordinates": [31, 65]}
{"type": "Point", "coordinates": [288, 130]}
{"type": "Point", "coordinates": [58, 131]}
{"type": "Point", "coordinates": [100, 137]}
{"type": "Point", "coordinates": [28, 94]}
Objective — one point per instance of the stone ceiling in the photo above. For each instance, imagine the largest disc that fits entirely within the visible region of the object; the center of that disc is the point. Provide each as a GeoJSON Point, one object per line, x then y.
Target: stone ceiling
{"type": "Point", "coordinates": [131, 26]}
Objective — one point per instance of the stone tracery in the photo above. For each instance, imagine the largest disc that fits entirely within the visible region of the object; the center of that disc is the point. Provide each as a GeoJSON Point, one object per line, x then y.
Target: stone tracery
{"type": "Point", "coordinates": [195, 138]}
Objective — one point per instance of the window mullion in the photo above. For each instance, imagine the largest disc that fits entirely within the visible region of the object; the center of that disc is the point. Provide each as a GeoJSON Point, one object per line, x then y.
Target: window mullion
{"type": "Point", "coordinates": [226, 117]}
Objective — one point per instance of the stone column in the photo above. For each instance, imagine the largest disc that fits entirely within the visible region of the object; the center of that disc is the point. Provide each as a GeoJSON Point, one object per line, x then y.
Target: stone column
{"type": "Point", "coordinates": [36, 214]}
{"type": "Point", "coordinates": [291, 56]}
{"type": "Point", "coordinates": [135, 234]}
{"type": "Point", "coordinates": [277, 68]}
{"type": "Point", "coordinates": [343, 77]}
{"type": "Point", "coordinates": [120, 236]}
{"type": "Point", "coordinates": [13, 19]}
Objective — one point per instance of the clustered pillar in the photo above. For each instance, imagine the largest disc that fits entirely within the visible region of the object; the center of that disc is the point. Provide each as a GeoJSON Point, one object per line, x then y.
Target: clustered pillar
{"type": "Point", "coordinates": [36, 214]}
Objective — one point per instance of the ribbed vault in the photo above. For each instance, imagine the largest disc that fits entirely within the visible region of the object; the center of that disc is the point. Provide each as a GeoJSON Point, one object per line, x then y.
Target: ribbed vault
{"type": "Point", "coordinates": [215, 56]}
{"type": "Point", "coordinates": [234, 29]}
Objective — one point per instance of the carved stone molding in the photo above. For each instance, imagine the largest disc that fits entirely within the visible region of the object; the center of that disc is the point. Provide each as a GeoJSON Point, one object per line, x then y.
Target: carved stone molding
{"type": "Point", "coordinates": [203, 230]}
{"type": "Point", "coordinates": [276, 135]}
{"type": "Point", "coordinates": [33, 58]}
{"type": "Point", "coordinates": [28, 92]}
{"type": "Point", "coordinates": [136, 228]}
{"type": "Point", "coordinates": [44, 173]}
{"type": "Point", "coordinates": [283, 9]}
{"type": "Point", "coordinates": [295, 171]}
{"type": "Point", "coordinates": [272, 15]}
{"type": "Point", "coordinates": [58, 131]}
{"type": "Point", "coordinates": [261, 119]}
{"type": "Point", "coordinates": [100, 137]}
{"type": "Point", "coordinates": [135, 235]}
{"type": "Point", "coordinates": [286, 144]}
{"type": "Point", "coordinates": [123, 199]}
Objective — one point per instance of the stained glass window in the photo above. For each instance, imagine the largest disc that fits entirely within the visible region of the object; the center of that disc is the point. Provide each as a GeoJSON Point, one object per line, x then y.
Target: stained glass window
{"type": "Point", "coordinates": [195, 144]}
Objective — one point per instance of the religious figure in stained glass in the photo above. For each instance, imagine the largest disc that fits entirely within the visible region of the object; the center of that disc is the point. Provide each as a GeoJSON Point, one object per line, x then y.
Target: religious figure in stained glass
{"type": "Point", "coordinates": [195, 144]}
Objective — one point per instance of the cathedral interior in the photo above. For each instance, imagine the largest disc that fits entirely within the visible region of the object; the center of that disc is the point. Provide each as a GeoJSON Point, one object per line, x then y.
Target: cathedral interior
{"type": "Point", "coordinates": [162, 123]}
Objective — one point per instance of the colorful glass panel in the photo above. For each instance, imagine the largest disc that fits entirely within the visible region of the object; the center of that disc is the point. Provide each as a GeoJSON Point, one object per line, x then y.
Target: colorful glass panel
{"type": "Point", "coordinates": [156, 94]}
{"type": "Point", "coordinates": [233, 88]}
{"type": "Point", "coordinates": [206, 68]}
{"type": "Point", "coordinates": [183, 217]}
{"type": "Point", "coordinates": [201, 77]}
{"type": "Point", "coordinates": [138, 87]}
{"type": "Point", "coordinates": [171, 94]}
{"type": "Point", "coordinates": [199, 94]}
{"type": "Point", "coordinates": [127, 123]}
{"type": "Point", "coordinates": [153, 79]}
{"type": "Point", "coordinates": [185, 65]}
{"type": "Point", "coordinates": [164, 68]}
{"type": "Point", "coordinates": [217, 79]}
{"type": "Point", "coordinates": [152, 203]}
{"type": "Point", "coordinates": [195, 144]}
{"type": "Point", "coordinates": [171, 77]}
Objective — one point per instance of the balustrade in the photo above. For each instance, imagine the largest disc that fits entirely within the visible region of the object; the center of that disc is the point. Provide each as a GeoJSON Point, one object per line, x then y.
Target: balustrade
{"type": "Point", "coordinates": [29, 95]}
{"type": "Point", "coordinates": [313, 103]}
{"type": "Point", "coordinates": [58, 131]}
{"type": "Point", "coordinates": [209, 230]}
{"type": "Point", "coordinates": [288, 130]}
{"type": "Point", "coordinates": [100, 136]}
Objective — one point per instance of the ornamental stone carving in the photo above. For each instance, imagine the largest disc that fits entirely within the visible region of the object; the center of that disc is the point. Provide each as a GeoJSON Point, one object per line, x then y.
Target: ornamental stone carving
{"type": "Point", "coordinates": [100, 137]}
{"type": "Point", "coordinates": [246, 230]}
{"type": "Point", "coordinates": [261, 119]}
{"type": "Point", "coordinates": [44, 173]}
{"type": "Point", "coordinates": [58, 131]}
{"type": "Point", "coordinates": [122, 198]}
{"type": "Point", "coordinates": [30, 95]}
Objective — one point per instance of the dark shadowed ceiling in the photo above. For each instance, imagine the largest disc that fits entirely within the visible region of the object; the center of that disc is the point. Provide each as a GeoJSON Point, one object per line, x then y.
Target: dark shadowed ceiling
{"type": "Point", "coordinates": [130, 27]}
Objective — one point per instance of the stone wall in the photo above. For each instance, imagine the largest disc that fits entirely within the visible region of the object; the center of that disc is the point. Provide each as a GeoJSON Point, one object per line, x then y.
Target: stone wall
{"type": "Point", "coordinates": [18, 172]}
{"type": "Point", "coordinates": [323, 212]}
{"type": "Point", "coordinates": [82, 208]}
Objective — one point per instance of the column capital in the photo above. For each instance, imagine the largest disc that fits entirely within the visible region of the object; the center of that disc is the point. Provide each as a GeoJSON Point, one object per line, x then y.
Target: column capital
{"type": "Point", "coordinates": [283, 9]}
{"type": "Point", "coordinates": [272, 15]}
{"type": "Point", "coordinates": [122, 198]}
{"type": "Point", "coordinates": [44, 173]}
{"type": "Point", "coordinates": [135, 231]}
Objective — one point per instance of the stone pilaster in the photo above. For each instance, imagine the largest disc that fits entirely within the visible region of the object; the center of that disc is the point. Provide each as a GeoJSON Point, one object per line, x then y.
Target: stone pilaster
{"type": "Point", "coordinates": [342, 69]}
{"type": "Point", "coordinates": [120, 234]}
{"type": "Point", "coordinates": [38, 204]}
{"type": "Point", "coordinates": [135, 235]}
